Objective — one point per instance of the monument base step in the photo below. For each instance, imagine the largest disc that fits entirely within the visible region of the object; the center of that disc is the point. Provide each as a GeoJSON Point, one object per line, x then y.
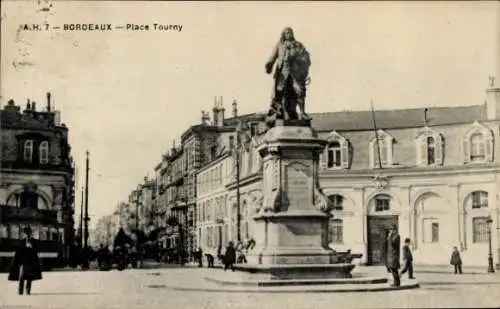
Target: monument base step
{"type": "Point", "coordinates": [236, 279]}
{"type": "Point", "coordinates": [294, 271]}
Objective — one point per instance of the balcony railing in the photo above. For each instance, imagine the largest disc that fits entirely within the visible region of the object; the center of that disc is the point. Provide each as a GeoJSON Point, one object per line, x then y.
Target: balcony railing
{"type": "Point", "coordinates": [12, 213]}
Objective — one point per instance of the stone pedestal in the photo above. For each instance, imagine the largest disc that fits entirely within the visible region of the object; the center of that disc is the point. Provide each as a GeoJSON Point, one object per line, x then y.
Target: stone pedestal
{"type": "Point", "coordinates": [291, 225]}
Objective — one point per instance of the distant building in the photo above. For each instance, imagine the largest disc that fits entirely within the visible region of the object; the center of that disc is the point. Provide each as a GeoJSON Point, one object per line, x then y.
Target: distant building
{"type": "Point", "coordinates": [37, 181]}
{"type": "Point", "coordinates": [434, 172]}
{"type": "Point", "coordinates": [176, 174]}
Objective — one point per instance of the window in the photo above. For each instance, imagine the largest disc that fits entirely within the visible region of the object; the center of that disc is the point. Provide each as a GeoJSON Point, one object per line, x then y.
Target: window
{"type": "Point", "coordinates": [337, 153]}
{"type": "Point", "coordinates": [36, 231]}
{"type": "Point", "coordinates": [213, 152]}
{"type": "Point", "coordinates": [382, 203]}
{"type": "Point", "coordinates": [477, 151]}
{"type": "Point", "coordinates": [334, 155]}
{"type": "Point", "coordinates": [336, 232]}
{"type": "Point", "coordinates": [479, 199]}
{"type": "Point", "coordinates": [4, 232]}
{"type": "Point", "coordinates": [231, 142]}
{"type": "Point", "coordinates": [431, 230]}
{"type": "Point", "coordinates": [54, 235]}
{"type": "Point", "coordinates": [254, 129]}
{"type": "Point", "coordinates": [14, 232]}
{"type": "Point", "coordinates": [44, 152]}
{"type": "Point", "coordinates": [478, 144]}
{"type": "Point", "coordinates": [435, 232]}
{"type": "Point", "coordinates": [337, 202]}
{"type": "Point", "coordinates": [431, 150]}
{"type": "Point", "coordinates": [480, 230]}
{"type": "Point", "coordinates": [28, 151]}
{"type": "Point", "coordinates": [381, 150]}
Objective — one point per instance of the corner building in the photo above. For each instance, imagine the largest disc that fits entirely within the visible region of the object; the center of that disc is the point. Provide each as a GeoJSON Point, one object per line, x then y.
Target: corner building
{"type": "Point", "coordinates": [36, 182]}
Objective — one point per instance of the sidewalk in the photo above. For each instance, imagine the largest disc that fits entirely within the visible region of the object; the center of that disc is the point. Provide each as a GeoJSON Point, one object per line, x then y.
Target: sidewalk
{"type": "Point", "coordinates": [448, 269]}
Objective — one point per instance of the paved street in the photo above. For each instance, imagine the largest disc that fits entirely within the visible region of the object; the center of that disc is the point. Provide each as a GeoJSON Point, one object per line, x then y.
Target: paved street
{"type": "Point", "coordinates": [143, 289]}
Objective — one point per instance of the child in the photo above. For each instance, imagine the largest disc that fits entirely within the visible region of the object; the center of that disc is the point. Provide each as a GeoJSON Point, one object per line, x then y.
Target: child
{"type": "Point", "coordinates": [456, 260]}
{"type": "Point", "coordinates": [408, 259]}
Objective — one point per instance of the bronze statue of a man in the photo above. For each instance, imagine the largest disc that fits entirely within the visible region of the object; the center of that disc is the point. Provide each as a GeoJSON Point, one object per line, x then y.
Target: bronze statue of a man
{"type": "Point", "coordinates": [290, 77]}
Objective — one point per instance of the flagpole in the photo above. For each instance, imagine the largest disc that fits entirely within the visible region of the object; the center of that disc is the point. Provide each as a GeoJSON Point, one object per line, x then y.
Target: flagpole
{"type": "Point", "coordinates": [376, 135]}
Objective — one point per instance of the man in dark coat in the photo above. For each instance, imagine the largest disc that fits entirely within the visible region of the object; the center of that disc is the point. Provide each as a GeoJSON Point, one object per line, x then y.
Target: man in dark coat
{"type": "Point", "coordinates": [456, 260]}
{"type": "Point", "coordinates": [26, 264]}
{"type": "Point", "coordinates": [393, 255]}
{"type": "Point", "coordinates": [408, 259]}
{"type": "Point", "coordinates": [229, 257]}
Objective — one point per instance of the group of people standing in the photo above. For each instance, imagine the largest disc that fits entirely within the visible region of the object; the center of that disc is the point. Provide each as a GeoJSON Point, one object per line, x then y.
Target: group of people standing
{"type": "Point", "coordinates": [232, 255]}
{"type": "Point", "coordinates": [392, 255]}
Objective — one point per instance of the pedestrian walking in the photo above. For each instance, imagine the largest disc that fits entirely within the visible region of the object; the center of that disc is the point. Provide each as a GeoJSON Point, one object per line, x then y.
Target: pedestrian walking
{"type": "Point", "coordinates": [456, 260]}
{"type": "Point", "coordinates": [408, 259]}
{"type": "Point", "coordinates": [199, 257]}
{"type": "Point", "coordinates": [26, 266]}
{"type": "Point", "coordinates": [393, 255]}
{"type": "Point", "coordinates": [210, 260]}
{"type": "Point", "coordinates": [229, 257]}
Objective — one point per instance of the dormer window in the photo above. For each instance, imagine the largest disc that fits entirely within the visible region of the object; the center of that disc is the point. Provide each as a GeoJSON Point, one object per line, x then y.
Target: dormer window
{"type": "Point", "coordinates": [337, 153]}
{"type": "Point", "coordinates": [429, 145]}
{"type": "Point", "coordinates": [478, 145]}
{"type": "Point", "coordinates": [381, 150]}
{"type": "Point", "coordinates": [28, 151]}
{"type": "Point", "coordinates": [477, 151]}
{"type": "Point", "coordinates": [44, 152]}
{"type": "Point", "coordinates": [334, 155]}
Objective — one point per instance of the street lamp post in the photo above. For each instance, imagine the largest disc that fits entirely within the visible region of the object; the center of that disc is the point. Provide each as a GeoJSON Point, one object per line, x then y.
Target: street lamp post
{"type": "Point", "coordinates": [491, 269]}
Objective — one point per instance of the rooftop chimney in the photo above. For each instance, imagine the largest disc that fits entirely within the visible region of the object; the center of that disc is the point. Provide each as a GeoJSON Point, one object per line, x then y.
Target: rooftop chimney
{"type": "Point", "coordinates": [220, 114]}
{"type": "Point", "coordinates": [48, 101]}
{"type": "Point", "coordinates": [205, 118]}
{"type": "Point", "coordinates": [425, 116]}
{"type": "Point", "coordinates": [235, 108]}
{"type": "Point", "coordinates": [33, 106]}
{"type": "Point", "coordinates": [28, 105]}
{"type": "Point", "coordinates": [215, 113]}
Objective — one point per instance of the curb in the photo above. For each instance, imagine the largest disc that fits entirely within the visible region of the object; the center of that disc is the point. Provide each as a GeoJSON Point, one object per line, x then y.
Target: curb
{"type": "Point", "coordinates": [312, 290]}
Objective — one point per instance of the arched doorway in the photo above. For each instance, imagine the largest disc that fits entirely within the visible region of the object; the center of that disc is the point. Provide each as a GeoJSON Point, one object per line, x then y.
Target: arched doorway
{"type": "Point", "coordinates": [432, 221]}
{"type": "Point", "coordinates": [381, 217]}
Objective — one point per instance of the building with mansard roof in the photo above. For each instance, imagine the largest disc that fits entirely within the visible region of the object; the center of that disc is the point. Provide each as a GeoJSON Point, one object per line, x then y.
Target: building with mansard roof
{"type": "Point", "coordinates": [433, 172]}
{"type": "Point", "coordinates": [37, 181]}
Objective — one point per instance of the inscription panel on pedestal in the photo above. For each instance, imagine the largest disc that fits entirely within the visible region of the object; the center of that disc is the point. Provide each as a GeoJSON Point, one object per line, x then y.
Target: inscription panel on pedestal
{"type": "Point", "coordinates": [298, 187]}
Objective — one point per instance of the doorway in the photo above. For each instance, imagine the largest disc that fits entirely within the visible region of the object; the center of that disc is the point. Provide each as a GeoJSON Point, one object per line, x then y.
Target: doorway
{"type": "Point", "coordinates": [378, 228]}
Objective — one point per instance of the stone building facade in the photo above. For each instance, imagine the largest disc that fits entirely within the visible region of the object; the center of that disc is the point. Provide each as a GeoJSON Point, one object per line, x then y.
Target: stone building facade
{"type": "Point", "coordinates": [176, 174]}
{"type": "Point", "coordinates": [37, 179]}
{"type": "Point", "coordinates": [432, 172]}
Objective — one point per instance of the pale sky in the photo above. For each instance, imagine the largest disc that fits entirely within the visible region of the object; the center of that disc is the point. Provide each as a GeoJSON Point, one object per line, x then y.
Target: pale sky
{"type": "Point", "coordinates": [125, 96]}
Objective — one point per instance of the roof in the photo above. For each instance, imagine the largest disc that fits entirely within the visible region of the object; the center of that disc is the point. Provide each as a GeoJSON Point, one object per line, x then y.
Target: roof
{"type": "Point", "coordinates": [11, 117]}
{"type": "Point", "coordinates": [397, 118]}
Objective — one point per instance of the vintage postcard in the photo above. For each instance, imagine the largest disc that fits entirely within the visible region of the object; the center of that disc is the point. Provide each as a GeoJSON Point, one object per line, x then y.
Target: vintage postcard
{"type": "Point", "coordinates": [249, 154]}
